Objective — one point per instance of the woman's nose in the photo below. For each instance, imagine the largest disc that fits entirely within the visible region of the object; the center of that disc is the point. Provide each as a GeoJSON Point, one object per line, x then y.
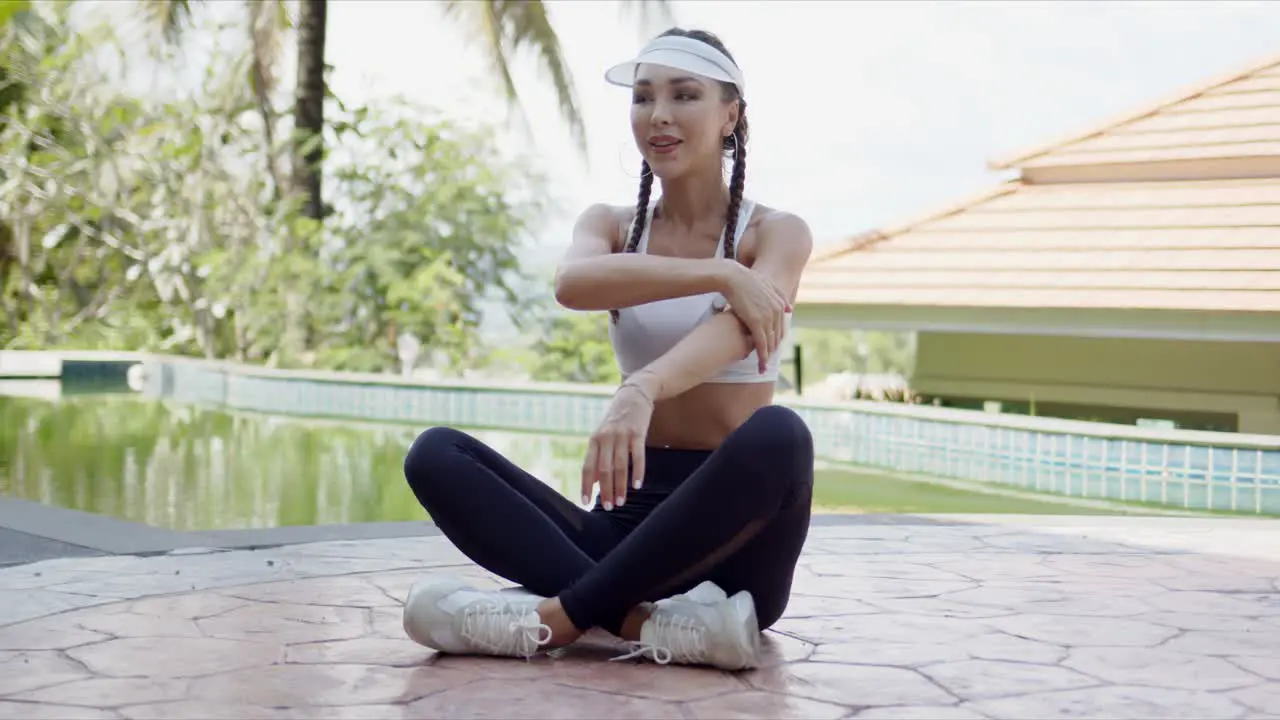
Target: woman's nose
{"type": "Point", "coordinates": [661, 113]}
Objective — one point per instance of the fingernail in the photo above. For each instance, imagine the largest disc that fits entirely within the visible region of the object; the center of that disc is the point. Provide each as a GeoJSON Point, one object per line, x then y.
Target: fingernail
{"type": "Point", "coordinates": [608, 505]}
{"type": "Point", "coordinates": [585, 500]}
{"type": "Point", "coordinates": [635, 484]}
{"type": "Point", "coordinates": [622, 501]}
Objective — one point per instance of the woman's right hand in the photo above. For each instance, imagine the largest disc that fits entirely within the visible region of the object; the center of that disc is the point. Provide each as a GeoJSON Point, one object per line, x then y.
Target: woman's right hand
{"type": "Point", "coordinates": [761, 306]}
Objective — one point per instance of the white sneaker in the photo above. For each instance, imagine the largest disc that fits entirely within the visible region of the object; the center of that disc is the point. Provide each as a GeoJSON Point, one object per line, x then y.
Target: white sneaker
{"type": "Point", "coordinates": [706, 593]}
{"type": "Point", "coordinates": [451, 616]}
{"type": "Point", "coordinates": [724, 634]}
{"type": "Point", "coordinates": [519, 593]}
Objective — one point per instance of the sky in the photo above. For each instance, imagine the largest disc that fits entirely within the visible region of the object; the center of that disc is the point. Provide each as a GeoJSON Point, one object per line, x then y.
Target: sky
{"type": "Point", "coordinates": [862, 113]}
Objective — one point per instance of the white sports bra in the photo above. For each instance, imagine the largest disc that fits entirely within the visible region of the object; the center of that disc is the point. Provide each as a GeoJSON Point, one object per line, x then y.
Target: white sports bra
{"type": "Point", "coordinates": [644, 333]}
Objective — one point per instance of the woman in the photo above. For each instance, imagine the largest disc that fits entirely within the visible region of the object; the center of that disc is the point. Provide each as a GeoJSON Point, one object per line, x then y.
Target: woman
{"type": "Point", "coordinates": [705, 487]}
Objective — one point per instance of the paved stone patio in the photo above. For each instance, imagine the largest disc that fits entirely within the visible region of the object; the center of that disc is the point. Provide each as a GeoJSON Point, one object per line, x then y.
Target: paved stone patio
{"type": "Point", "coordinates": [986, 617]}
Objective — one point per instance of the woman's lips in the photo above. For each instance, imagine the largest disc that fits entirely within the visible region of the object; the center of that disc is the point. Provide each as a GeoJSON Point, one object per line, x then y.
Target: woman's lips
{"type": "Point", "coordinates": [664, 144]}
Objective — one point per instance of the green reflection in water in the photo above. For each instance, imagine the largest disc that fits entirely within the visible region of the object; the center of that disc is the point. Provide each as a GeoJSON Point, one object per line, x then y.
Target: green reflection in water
{"type": "Point", "coordinates": [192, 468]}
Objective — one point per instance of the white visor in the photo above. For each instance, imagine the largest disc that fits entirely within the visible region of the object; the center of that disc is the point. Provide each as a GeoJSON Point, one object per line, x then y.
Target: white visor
{"type": "Point", "coordinates": [680, 53]}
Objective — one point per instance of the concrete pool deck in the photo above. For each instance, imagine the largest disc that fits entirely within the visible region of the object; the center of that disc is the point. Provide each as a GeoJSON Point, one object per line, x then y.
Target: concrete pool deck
{"type": "Point", "coordinates": [892, 617]}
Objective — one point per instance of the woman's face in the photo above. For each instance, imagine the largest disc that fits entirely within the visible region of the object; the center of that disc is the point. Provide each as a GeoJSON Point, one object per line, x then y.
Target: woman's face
{"type": "Point", "coordinates": [679, 119]}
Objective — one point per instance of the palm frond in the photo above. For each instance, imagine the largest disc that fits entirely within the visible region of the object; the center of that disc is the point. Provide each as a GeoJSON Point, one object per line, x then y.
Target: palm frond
{"type": "Point", "coordinates": [169, 18]}
{"type": "Point", "coordinates": [507, 27]}
{"type": "Point", "coordinates": [268, 26]}
{"type": "Point", "coordinates": [651, 15]}
{"type": "Point", "coordinates": [268, 22]}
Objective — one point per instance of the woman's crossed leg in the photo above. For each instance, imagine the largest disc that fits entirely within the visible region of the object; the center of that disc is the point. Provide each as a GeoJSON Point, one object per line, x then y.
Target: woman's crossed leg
{"type": "Point", "coordinates": [729, 523]}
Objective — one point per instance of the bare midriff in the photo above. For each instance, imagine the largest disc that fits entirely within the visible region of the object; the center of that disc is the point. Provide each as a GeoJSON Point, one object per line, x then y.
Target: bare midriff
{"type": "Point", "coordinates": [703, 417]}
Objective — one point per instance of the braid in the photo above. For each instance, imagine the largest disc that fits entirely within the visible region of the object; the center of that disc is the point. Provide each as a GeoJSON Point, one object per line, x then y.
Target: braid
{"type": "Point", "coordinates": [642, 216]}
{"type": "Point", "coordinates": [642, 208]}
{"type": "Point", "coordinates": [737, 182]}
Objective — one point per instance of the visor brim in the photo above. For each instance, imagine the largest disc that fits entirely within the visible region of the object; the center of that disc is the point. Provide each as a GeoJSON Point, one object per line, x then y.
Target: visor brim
{"type": "Point", "coordinates": [624, 74]}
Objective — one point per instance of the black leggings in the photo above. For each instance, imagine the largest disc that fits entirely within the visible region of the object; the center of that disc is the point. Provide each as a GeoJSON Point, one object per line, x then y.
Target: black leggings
{"type": "Point", "coordinates": [737, 516]}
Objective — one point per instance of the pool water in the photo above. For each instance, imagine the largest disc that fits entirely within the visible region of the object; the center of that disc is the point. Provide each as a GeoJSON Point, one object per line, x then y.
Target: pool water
{"type": "Point", "coordinates": [186, 467]}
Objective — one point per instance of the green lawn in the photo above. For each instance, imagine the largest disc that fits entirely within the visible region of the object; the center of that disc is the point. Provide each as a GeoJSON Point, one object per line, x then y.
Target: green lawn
{"type": "Point", "coordinates": [845, 491]}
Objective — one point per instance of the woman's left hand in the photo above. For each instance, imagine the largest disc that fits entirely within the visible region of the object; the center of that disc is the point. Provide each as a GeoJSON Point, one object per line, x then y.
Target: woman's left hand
{"type": "Point", "coordinates": [618, 446]}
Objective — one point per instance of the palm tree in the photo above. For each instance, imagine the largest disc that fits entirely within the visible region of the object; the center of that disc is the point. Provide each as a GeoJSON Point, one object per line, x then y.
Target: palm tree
{"type": "Point", "coordinates": [308, 104]}
{"type": "Point", "coordinates": [267, 22]}
{"type": "Point", "coordinates": [503, 27]}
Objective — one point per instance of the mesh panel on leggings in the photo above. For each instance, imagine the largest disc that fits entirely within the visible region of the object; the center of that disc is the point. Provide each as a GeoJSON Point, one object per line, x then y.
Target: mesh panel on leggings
{"type": "Point", "coordinates": [704, 566]}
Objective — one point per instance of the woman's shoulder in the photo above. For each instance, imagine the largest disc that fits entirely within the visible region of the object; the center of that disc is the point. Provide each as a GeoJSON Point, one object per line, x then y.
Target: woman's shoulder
{"type": "Point", "coordinates": [606, 211]}
{"type": "Point", "coordinates": [771, 218]}
{"type": "Point", "coordinates": [770, 225]}
{"type": "Point", "coordinates": [613, 221]}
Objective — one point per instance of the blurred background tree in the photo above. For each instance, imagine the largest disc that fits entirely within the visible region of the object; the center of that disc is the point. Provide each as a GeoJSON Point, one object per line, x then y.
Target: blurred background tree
{"type": "Point", "coordinates": [197, 224]}
{"type": "Point", "coordinates": [827, 352]}
{"type": "Point", "coordinates": [135, 223]}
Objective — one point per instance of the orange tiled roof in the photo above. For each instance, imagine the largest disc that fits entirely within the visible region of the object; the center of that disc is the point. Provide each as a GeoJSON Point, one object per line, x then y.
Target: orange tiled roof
{"type": "Point", "coordinates": [1232, 116]}
{"type": "Point", "coordinates": [1202, 245]}
{"type": "Point", "coordinates": [1137, 241]}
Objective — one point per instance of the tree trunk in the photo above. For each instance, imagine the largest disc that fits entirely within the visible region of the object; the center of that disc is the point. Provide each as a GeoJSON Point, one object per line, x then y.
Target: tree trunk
{"type": "Point", "coordinates": [308, 152]}
{"type": "Point", "coordinates": [308, 112]}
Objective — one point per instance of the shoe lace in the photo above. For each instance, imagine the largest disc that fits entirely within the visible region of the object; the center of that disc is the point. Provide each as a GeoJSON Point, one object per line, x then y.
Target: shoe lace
{"type": "Point", "coordinates": [677, 638]}
{"type": "Point", "coordinates": [504, 630]}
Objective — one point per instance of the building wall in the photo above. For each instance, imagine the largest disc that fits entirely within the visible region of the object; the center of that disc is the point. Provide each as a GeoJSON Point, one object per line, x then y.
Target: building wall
{"type": "Point", "coordinates": [1204, 385]}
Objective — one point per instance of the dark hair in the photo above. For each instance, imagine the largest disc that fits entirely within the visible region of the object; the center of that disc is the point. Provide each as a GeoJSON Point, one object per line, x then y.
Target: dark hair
{"type": "Point", "coordinates": [735, 143]}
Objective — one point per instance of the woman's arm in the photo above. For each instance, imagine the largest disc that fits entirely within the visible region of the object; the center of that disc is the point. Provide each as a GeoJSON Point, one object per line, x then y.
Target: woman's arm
{"type": "Point", "coordinates": [783, 247]}
{"type": "Point", "coordinates": [785, 244]}
{"type": "Point", "coordinates": [594, 276]}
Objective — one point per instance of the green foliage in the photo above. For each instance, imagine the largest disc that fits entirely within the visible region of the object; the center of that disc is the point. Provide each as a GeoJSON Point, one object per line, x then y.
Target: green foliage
{"type": "Point", "coordinates": [574, 347]}
{"type": "Point", "coordinates": [192, 468]}
{"type": "Point", "coordinates": [428, 227]}
{"type": "Point", "coordinates": [137, 224]}
{"type": "Point", "coordinates": [10, 8]}
{"type": "Point", "coordinates": [833, 351]}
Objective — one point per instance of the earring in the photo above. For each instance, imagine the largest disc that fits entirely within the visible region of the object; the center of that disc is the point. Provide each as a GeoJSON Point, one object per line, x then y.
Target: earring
{"type": "Point", "coordinates": [735, 143]}
{"type": "Point", "coordinates": [622, 166]}
{"type": "Point", "coordinates": [734, 154]}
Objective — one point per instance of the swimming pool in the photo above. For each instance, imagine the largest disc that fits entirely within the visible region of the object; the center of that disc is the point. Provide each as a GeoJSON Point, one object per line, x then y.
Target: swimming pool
{"type": "Point", "coordinates": [1087, 462]}
{"type": "Point", "coordinates": [189, 467]}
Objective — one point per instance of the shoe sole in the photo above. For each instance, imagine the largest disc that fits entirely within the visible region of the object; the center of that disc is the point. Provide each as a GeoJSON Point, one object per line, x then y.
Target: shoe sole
{"type": "Point", "coordinates": [433, 589]}
{"type": "Point", "coordinates": [744, 617]}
